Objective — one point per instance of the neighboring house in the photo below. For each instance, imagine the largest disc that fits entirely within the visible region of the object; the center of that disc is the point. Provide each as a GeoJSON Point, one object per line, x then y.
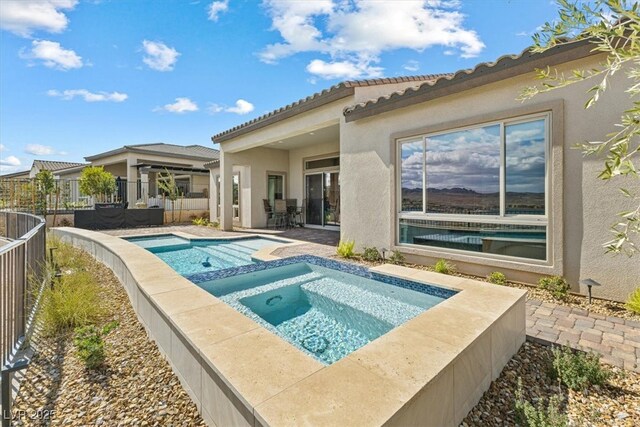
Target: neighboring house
{"type": "Point", "coordinates": [139, 167]}
{"type": "Point", "coordinates": [40, 165]}
{"type": "Point", "coordinates": [449, 167]}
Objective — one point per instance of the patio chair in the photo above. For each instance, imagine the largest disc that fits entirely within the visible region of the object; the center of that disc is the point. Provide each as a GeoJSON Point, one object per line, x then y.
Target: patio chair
{"type": "Point", "coordinates": [294, 212]}
{"type": "Point", "coordinates": [271, 217]}
{"type": "Point", "coordinates": [281, 213]}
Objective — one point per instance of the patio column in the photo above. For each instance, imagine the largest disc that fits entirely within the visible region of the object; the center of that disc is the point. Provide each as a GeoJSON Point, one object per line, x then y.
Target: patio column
{"type": "Point", "coordinates": [144, 184]}
{"type": "Point", "coordinates": [132, 182]}
{"type": "Point", "coordinates": [226, 191]}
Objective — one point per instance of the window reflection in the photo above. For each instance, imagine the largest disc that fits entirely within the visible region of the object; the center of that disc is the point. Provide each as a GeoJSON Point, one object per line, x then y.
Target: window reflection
{"type": "Point", "coordinates": [525, 168]}
{"type": "Point", "coordinates": [411, 175]}
{"type": "Point", "coordinates": [463, 172]}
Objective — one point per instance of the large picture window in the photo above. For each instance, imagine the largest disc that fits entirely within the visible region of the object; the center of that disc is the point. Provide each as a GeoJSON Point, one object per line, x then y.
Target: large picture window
{"type": "Point", "coordinates": [479, 189]}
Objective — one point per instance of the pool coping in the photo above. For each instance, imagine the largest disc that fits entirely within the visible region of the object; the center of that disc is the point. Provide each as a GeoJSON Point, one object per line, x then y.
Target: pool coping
{"type": "Point", "coordinates": [431, 370]}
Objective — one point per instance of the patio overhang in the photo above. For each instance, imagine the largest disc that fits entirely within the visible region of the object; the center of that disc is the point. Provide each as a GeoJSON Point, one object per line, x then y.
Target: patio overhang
{"type": "Point", "coordinates": [149, 167]}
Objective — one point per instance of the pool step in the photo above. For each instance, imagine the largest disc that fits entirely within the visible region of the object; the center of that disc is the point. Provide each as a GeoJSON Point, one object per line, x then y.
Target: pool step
{"type": "Point", "coordinates": [379, 306]}
{"type": "Point", "coordinates": [230, 258]}
{"type": "Point", "coordinates": [237, 249]}
{"type": "Point", "coordinates": [291, 281]}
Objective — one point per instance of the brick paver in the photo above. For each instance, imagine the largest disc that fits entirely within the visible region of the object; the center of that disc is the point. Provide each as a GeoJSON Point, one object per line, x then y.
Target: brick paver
{"type": "Point", "coordinates": [616, 339]}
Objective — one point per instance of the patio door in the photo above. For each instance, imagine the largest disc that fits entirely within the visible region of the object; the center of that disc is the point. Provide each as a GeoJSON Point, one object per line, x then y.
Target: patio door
{"type": "Point", "coordinates": [322, 191]}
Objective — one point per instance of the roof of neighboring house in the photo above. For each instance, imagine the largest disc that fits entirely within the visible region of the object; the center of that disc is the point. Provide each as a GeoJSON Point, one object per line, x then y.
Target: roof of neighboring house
{"type": "Point", "coordinates": [52, 165]}
{"type": "Point", "coordinates": [16, 174]}
{"type": "Point", "coordinates": [484, 73]}
{"type": "Point", "coordinates": [212, 164]}
{"type": "Point", "coordinates": [160, 148]}
{"type": "Point", "coordinates": [72, 169]}
{"type": "Point", "coordinates": [334, 93]}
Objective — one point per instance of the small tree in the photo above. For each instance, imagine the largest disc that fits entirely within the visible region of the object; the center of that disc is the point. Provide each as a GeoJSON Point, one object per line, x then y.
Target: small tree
{"type": "Point", "coordinates": [95, 181]}
{"type": "Point", "coordinates": [613, 26]}
{"type": "Point", "coordinates": [169, 188]}
{"type": "Point", "coordinates": [45, 184]}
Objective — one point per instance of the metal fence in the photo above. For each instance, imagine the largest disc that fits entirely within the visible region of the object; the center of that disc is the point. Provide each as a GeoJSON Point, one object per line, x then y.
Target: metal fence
{"type": "Point", "coordinates": [22, 268]}
{"type": "Point", "coordinates": [24, 195]}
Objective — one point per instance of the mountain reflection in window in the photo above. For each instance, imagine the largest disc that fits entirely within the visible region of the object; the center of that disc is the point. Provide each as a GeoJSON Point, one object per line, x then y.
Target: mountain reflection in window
{"type": "Point", "coordinates": [525, 168]}
{"type": "Point", "coordinates": [463, 172]}
{"type": "Point", "coordinates": [411, 175]}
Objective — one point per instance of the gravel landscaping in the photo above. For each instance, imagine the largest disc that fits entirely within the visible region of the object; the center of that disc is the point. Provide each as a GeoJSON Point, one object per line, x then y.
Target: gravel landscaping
{"type": "Point", "coordinates": [136, 387]}
{"type": "Point", "coordinates": [615, 404]}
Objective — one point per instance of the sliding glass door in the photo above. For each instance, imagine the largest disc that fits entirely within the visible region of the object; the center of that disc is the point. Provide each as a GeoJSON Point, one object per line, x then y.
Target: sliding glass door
{"type": "Point", "coordinates": [322, 192]}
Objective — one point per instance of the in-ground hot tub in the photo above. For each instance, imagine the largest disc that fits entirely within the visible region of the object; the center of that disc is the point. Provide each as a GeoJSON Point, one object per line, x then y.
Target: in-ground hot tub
{"type": "Point", "coordinates": [325, 308]}
{"type": "Point", "coordinates": [430, 370]}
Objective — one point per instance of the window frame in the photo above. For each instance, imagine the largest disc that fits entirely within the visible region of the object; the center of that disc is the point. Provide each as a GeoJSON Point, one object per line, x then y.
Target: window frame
{"type": "Point", "coordinates": [503, 217]}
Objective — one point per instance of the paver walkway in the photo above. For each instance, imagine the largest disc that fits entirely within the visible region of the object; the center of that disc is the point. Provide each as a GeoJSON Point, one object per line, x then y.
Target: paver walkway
{"type": "Point", "coordinates": [616, 339]}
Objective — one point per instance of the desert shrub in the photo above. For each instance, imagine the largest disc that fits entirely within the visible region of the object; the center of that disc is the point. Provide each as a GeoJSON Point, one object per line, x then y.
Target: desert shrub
{"type": "Point", "coordinates": [371, 254]}
{"type": "Point", "coordinates": [444, 267]}
{"type": "Point", "coordinates": [497, 278]}
{"type": "Point", "coordinates": [64, 222]}
{"type": "Point", "coordinates": [633, 303]}
{"type": "Point", "coordinates": [73, 301]}
{"type": "Point", "coordinates": [577, 369]}
{"type": "Point", "coordinates": [540, 415]}
{"type": "Point", "coordinates": [68, 257]}
{"type": "Point", "coordinates": [557, 286]}
{"type": "Point", "coordinates": [396, 257]}
{"type": "Point", "coordinates": [200, 221]}
{"type": "Point", "coordinates": [346, 248]}
{"type": "Point", "coordinates": [89, 342]}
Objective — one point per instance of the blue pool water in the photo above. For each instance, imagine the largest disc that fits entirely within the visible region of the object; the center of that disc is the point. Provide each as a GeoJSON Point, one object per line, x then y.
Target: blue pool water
{"type": "Point", "coordinates": [189, 257]}
{"type": "Point", "coordinates": [325, 312]}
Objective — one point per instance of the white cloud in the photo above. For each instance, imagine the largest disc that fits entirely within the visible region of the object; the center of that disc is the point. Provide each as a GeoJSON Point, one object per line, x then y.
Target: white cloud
{"type": "Point", "coordinates": [159, 56]}
{"type": "Point", "coordinates": [68, 95]}
{"type": "Point", "coordinates": [359, 31]}
{"type": "Point", "coordinates": [411, 65]}
{"type": "Point", "coordinates": [342, 69]}
{"type": "Point", "coordinates": [23, 17]}
{"type": "Point", "coordinates": [52, 55]}
{"type": "Point", "coordinates": [242, 107]}
{"type": "Point", "coordinates": [3, 147]}
{"type": "Point", "coordinates": [10, 161]}
{"type": "Point", "coordinates": [216, 8]}
{"type": "Point", "coordinates": [182, 105]}
{"type": "Point", "coordinates": [39, 150]}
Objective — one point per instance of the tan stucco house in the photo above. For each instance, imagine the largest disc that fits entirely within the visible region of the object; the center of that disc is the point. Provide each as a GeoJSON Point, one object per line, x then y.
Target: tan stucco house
{"type": "Point", "coordinates": [450, 167]}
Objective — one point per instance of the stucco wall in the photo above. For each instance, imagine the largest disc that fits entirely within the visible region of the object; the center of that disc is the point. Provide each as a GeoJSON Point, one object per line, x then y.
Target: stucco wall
{"type": "Point", "coordinates": [368, 180]}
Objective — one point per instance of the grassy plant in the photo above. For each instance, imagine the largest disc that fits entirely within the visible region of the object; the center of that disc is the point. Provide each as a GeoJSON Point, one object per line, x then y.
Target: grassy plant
{"type": "Point", "coordinates": [200, 221]}
{"type": "Point", "coordinates": [444, 267]}
{"type": "Point", "coordinates": [73, 301]}
{"type": "Point", "coordinates": [556, 285]}
{"type": "Point", "coordinates": [346, 248]}
{"type": "Point", "coordinates": [497, 278]}
{"type": "Point", "coordinates": [371, 254]}
{"type": "Point", "coordinates": [633, 303]}
{"type": "Point", "coordinates": [577, 369]}
{"type": "Point", "coordinates": [68, 257]}
{"type": "Point", "coordinates": [89, 341]}
{"type": "Point", "coordinates": [540, 415]}
{"type": "Point", "coordinates": [396, 257]}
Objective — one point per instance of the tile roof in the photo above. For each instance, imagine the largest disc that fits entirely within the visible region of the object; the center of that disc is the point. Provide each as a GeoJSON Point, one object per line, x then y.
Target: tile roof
{"type": "Point", "coordinates": [339, 91]}
{"type": "Point", "coordinates": [52, 165]}
{"type": "Point", "coordinates": [484, 73]}
{"type": "Point", "coordinates": [171, 150]}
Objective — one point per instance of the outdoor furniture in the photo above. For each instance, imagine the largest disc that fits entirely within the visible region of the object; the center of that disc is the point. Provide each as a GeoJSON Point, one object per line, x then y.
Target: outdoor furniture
{"type": "Point", "coordinates": [295, 212]}
{"type": "Point", "coordinates": [271, 214]}
{"type": "Point", "coordinates": [281, 214]}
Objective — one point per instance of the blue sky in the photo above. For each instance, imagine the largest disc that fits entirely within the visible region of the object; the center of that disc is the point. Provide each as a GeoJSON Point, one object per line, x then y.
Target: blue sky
{"type": "Point", "coordinates": [82, 77]}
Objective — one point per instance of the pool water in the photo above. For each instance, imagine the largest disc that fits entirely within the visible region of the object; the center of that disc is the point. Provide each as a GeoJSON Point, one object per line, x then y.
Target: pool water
{"type": "Point", "coordinates": [189, 257]}
{"type": "Point", "coordinates": [325, 312]}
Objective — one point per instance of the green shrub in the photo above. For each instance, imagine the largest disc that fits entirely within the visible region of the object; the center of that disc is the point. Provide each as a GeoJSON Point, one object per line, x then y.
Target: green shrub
{"type": "Point", "coordinates": [346, 248]}
{"type": "Point", "coordinates": [371, 254]}
{"type": "Point", "coordinates": [556, 285]}
{"type": "Point", "coordinates": [200, 221]}
{"type": "Point", "coordinates": [67, 257]}
{"type": "Point", "coordinates": [633, 303]}
{"type": "Point", "coordinates": [73, 301]}
{"type": "Point", "coordinates": [89, 341]}
{"type": "Point", "coordinates": [444, 267]}
{"type": "Point", "coordinates": [540, 415]}
{"type": "Point", "coordinates": [497, 278]}
{"type": "Point", "coordinates": [577, 369]}
{"type": "Point", "coordinates": [396, 257]}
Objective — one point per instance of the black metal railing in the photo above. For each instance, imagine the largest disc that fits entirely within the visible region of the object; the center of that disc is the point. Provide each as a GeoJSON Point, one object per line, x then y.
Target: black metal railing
{"type": "Point", "coordinates": [22, 271]}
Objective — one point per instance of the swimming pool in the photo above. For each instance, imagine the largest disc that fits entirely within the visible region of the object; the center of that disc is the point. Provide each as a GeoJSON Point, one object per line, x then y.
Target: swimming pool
{"type": "Point", "coordinates": [325, 308]}
{"type": "Point", "coordinates": [189, 257]}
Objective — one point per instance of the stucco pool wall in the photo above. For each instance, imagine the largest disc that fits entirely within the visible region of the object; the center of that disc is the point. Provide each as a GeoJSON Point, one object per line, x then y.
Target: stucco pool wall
{"type": "Point", "coordinates": [429, 371]}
